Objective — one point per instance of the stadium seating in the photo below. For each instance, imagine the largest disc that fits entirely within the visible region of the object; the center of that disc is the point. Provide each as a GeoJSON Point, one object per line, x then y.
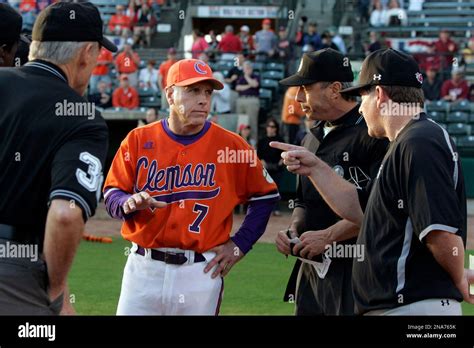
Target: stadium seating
{"type": "Point", "coordinates": [273, 75]}
{"type": "Point", "coordinates": [457, 117]}
{"type": "Point", "coordinates": [459, 129]}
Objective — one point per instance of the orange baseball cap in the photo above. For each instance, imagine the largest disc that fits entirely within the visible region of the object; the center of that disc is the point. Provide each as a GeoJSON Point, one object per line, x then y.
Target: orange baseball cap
{"type": "Point", "coordinates": [185, 72]}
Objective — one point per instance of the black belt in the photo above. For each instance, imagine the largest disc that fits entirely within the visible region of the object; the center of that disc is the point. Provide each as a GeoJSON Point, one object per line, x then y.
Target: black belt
{"type": "Point", "coordinates": [170, 257]}
{"type": "Point", "coordinates": [20, 235]}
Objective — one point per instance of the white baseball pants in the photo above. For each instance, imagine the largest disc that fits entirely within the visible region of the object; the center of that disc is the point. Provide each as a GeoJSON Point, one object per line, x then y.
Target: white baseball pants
{"type": "Point", "coordinates": [151, 287]}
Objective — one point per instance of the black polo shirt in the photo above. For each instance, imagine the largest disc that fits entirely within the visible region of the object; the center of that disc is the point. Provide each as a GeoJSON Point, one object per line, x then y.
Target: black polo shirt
{"type": "Point", "coordinates": [52, 146]}
{"type": "Point", "coordinates": [349, 150]}
{"type": "Point", "coordinates": [419, 188]}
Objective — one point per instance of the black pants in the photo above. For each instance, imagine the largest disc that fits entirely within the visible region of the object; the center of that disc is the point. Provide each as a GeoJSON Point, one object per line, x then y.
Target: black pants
{"type": "Point", "coordinates": [329, 296]}
{"type": "Point", "coordinates": [23, 288]}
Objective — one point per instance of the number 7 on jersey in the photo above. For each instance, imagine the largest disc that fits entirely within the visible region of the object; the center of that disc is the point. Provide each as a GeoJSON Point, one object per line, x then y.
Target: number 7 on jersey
{"type": "Point", "coordinates": [202, 211]}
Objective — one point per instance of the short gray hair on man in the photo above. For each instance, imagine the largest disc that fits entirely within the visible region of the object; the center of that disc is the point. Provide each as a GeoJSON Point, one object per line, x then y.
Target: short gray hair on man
{"type": "Point", "coordinates": [229, 29]}
{"type": "Point", "coordinates": [56, 52]}
{"type": "Point", "coordinates": [344, 85]}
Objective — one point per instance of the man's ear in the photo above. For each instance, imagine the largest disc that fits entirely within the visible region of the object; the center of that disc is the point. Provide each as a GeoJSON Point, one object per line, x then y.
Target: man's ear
{"type": "Point", "coordinates": [381, 96]}
{"type": "Point", "coordinates": [169, 95]}
{"type": "Point", "coordinates": [336, 88]}
{"type": "Point", "coordinates": [87, 54]}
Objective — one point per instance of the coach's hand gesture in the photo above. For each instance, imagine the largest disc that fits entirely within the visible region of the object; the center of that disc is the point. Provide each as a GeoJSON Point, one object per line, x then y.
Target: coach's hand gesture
{"type": "Point", "coordinates": [228, 254]}
{"type": "Point", "coordinates": [140, 201]}
{"type": "Point", "coordinates": [297, 159]}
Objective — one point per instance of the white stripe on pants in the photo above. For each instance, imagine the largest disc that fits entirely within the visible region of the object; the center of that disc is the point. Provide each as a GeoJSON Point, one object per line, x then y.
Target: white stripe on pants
{"type": "Point", "coordinates": [151, 287]}
{"type": "Point", "coordinates": [438, 306]}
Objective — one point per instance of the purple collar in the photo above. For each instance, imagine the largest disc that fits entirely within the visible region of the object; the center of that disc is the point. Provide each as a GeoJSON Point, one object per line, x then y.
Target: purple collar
{"type": "Point", "coordinates": [185, 139]}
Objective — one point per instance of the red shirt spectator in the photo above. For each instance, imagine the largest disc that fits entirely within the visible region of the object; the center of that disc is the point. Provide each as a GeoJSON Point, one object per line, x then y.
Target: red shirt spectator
{"type": "Point", "coordinates": [200, 44]}
{"type": "Point", "coordinates": [119, 20]}
{"type": "Point", "coordinates": [128, 61]}
{"type": "Point", "coordinates": [27, 5]}
{"type": "Point", "coordinates": [446, 48]}
{"type": "Point", "coordinates": [246, 39]}
{"type": "Point", "coordinates": [166, 65]}
{"type": "Point", "coordinates": [456, 88]}
{"type": "Point", "coordinates": [230, 43]}
{"type": "Point", "coordinates": [105, 58]}
{"type": "Point", "coordinates": [125, 96]}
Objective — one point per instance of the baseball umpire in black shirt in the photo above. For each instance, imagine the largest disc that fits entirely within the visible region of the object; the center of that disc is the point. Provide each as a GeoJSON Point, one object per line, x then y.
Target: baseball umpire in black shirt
{"type": "Point", "coordinates": [54, 145]}
{"type": "Point", "coordinates": [415, 221]}
{"type": "Point", "coordinates": [340, 139]}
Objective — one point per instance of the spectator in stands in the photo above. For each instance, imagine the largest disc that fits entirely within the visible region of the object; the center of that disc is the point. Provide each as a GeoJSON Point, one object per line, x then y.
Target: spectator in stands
{"type": "Point", "coordinates": [236, 71]}
{"type": "Point", "coordinates": [200, 44]}
{"type": "Point", "coordinates": [120, 24]}
{"type": "Point", "coordinates": [363, 10]}
{"type": "Point", "coordinates": [213, 43]}
{"type": "Point", "coordinates": [395, 15]}
{"type": "Point", "coordinates": [244, 132]}
{"type": "Point", "coordinates": [378, 16]}
{"type": "Point", "coordinates": [248, 102]}
{"type": "Point", "coordinates": [271, 157]}
{"type": "Point", "coordinates": [101, 98]}
{"type": "Point", "coordinates": [456, 88]}
{"type": "Point", "coordinates": [230, 44]}
{"type": "Point", "coordinates": [445, 48]}
{"type": "Point", "coordinates": [220, 103]}
{"type": "Point", "coordinates": [163, 73]}
{"type": "Point", "coordinates": [42, 4]}
{"type": "Point", "coordinates": [326, 39]}
{"type": "Point", "coordinates": [128, 62]}
{"type": "Point", "coordinates": [468, 53]}
{"type": "Point", "coordinates": [312, 38]}
{"type": "Point", "coordinates": [101, 70]}
{"type": "Point", "coordinates": [150, 117]}
{"type": "Point", "coordinates": [265, 40]}
{"type": "Point", "coordinates": [337, 40]}
{"type": "Point", "coordinates": [285, 49]}
{"type": "Point", "coordinates": [432, 84]}
{"type": "Point", "coordinates": [300, 32]}
{"type": "Point", "coordinates": [291, 114]}
{"type": "Point", "coordinates": [144, 25]}
{"type": "Point", "coordinates": [125, 96]}
{"type": "Point", "coordinates": [28, 13]}
{"type": "Point", "coordinates": [376, 43]}
{"type": "Point", "coordinates": [246, 39]}
{"type": "Point", "coordinates": [131, 11]}
{"type": "Point", "coordinates": [148, 77]}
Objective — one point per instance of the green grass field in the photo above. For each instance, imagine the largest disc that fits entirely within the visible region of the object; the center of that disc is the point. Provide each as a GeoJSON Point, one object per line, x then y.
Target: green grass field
{"type": "Point", "coordinates": [255, 286]}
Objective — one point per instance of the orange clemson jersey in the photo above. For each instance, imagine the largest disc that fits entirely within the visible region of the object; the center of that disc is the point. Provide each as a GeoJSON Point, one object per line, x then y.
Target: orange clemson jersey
{"type": "Point", "coordinates": [201, 180]}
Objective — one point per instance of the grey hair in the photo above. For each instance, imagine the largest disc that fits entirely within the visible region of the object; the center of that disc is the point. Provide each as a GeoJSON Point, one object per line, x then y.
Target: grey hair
{"type": "Point", "coordinates": [57, 52]}
{"type": "Point", "coordinates": [344, 85]}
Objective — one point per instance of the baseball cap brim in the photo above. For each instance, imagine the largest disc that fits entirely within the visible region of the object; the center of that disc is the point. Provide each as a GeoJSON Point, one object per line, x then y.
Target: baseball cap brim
{"type": "Point", "coordinates": [108, 44]}
{"type": "Point", "coordinates": [356, 89]}
{"type": "Point", "coordinates": [296, 80]}
{"type": "Point", "coordinates": [216, 84]}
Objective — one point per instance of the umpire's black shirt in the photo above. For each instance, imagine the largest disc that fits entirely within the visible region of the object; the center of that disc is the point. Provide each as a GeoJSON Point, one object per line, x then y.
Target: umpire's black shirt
{"type": "Point", "coordinates": [419, 188]}
{"type": "Point", "coordinates": [50, 147]}
{"type": "Point", "coordinates": [348, 149]}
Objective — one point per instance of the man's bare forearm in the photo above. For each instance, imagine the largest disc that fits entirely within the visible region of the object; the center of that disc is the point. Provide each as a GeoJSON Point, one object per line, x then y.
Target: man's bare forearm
{"type": "Point", "coordinates": [64, 229]}
{"type": "Point", "coordinates": [339, 194]}
{"type": "Point", "coordinates": [297, 223]}
{"type": "Point", "coordinates": [342, 230]}
{"type": "Point", "coordinates": [448, 250]}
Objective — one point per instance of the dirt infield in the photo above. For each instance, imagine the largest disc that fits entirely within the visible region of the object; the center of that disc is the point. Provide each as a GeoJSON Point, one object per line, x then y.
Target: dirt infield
{"type": "Point", "coordinates": [102, 225]}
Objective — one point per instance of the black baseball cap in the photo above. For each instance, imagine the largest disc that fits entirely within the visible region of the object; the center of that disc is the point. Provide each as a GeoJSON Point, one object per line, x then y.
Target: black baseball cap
{"type": "Point", "coordinates": [71, 21]}
{"type": "Point", "coordinates": [10, 24]}
{"type": "Point", "coordinates": [387, 67]}
{"type": "Point", "coordinates": [325, 65]}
